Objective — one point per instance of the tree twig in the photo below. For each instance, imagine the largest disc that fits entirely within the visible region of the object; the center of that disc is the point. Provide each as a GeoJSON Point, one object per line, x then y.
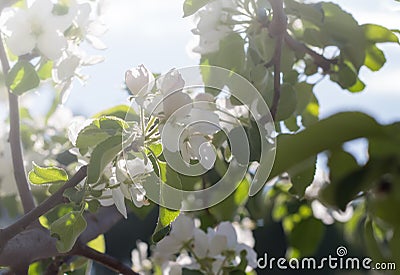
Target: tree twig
{"type": "Point", "coordinates": [54, 200]}
{"type": "Point", "coordinates": [103, 259]}
{"type": "Point", "coordinates": [318, 59]}
{"type": "Point", "coordinates": [18, 250]}
{"type": "Point", "coordinates": [277, 28]}
{"type": "Point", "coordinates": [277, 76]}
{"type": "Point", "coordinates": [15, 140]}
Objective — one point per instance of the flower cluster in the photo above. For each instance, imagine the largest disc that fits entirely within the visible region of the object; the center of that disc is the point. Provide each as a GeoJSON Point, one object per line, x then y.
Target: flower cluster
{"type": "Point", "coordinates": [193, 118]}
{"type": "Point", "coordinates": [220, 18]}
{"type": "Point", "coordinates": [121, 179]}
{"type": "Point", "coordinates": [125, 182]}
{"type": "Point", "coordinates": [213, 25]}
{"type": "Point", "coordinates": [219, 249]}
{"type": "Point", "coordinates": [54, 32]}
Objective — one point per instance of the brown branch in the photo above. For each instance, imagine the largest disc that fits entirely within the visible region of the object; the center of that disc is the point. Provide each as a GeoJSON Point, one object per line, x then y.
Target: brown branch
{"type": "Point", "coordinates": [18, 250]}
{"type": "Point", "coordinates": [318, 59]}
{"type": "Point", "coordinates": [103, 259]}
{"type": "Point", "coordinates": [100, 222]}
{"type": "Point", "coordinates": [278, 23]}
{"type": "Point", "coordinates": [27, 247]}
{"type": "Point", "coordinates": [277, 76]}
{"type": "Point", "coordinates": [56, 199]}
{"type": "Point", "coordinates": [15, 140]}
{"type": "Point", "coordinates": [277, 28]}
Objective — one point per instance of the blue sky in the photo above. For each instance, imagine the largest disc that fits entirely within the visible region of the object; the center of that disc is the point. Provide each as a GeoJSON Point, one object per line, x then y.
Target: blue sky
{"type": "Point", "coordinates": [154, 33]}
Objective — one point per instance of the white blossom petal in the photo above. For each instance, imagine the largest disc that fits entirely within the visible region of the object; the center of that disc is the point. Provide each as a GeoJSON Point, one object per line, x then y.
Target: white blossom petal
{"type": "Point", "coordinates": [119, 200]}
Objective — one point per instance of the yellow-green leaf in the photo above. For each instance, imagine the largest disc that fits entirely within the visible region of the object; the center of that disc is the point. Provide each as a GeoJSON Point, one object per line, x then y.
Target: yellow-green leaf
{"type": "Point", "coordinates": [22, 77]}
{"type": "Point", "coordinates": [47, 175]}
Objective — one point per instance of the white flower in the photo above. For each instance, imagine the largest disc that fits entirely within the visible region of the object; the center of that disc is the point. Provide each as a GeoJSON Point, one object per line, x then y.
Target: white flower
{"type": "Point", "coordinates": [197, 147]}
{"type": "Point", "coordinates": [190, 135]}
{"type": "Point", "coordinates": [328, 215]}
{"type": "Point", "coordinates": [244, 233]}
{"type": "Point", "coordinates": [227, 230]}
{"type": "Point", "coordinates": [138, 78]}
{"type": "Point", "coordinates": [136, 168]}
{"type": "Point", "coordinates": [37, 27]}
{"type": "Point", "coordinates": [118, 197]}
{"type": "Point", "coordinates": [211, 27]}
{"type": "Point", "coordinates": [181, 233]}
{"type": "Point", "coordinates": [170, 82]}
{"type": "Point", "coordinates": [88, 28]}
{"type": "Point", "coordinates": [229, 113]}
{"type": "Point", "coordinates": [140, 262]}
{"type": "Point", "coordinates": [218, 248]}
{"type": "Point", "coordinates": [177, 104]}
{"type": "Point", "coordinates": [128, 175]}
{"type": "Point", "coordinates": [65, 69]}
{"type": "Point", "coordinates": [171, 268]}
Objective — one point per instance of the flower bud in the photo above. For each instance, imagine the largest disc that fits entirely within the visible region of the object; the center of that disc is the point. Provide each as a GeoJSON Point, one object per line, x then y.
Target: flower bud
{"type": "Point", "coordinates": [171, 82]}
{"type": "Point", "coordinates": [139, 78]}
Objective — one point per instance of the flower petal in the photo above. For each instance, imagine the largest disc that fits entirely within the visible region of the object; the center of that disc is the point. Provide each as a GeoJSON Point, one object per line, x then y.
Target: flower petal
{"type": "Point", "coordinates": [119, 201]}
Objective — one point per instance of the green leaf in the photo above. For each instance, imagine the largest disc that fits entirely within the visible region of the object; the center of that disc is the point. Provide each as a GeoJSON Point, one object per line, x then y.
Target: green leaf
{"type": "Point", "coordinates": [231, 53]}
{"type": "Point", "coordinates": [101, 156]}
{"type": "Point", "coordinates": [93, 205]}
{"type": "Point", "coordinates": [265, 45]}
{"type": "Point", "coordinates": [67, 230]}
{"type": "Point", "coordinates": [74, 195]}
{"type": "Point", "coordinates": [287, 102]}
{"type": "Point", "coordinates": [306, 236]}
{"type": "Point", "coordinates": [36, 268]}
{"type": "Point", "coordinates": [165, 218]}
{"type": "Point", "coordinates": [46, 175]}
{"type": "Point", "coordinates": [374, 58]}
{"type": "Point", "coordinates": [227, 209]}
{"type": "Point", "coordinates": [99, 130]}
{"type": "Point", "coordinates": [192, 6]}
{"type": "Point", "coordinates": [156, 148]}
{"type": "Point", "coordinates": [22, 77]}
{"type": "Point", "coordinates": [379, 34]}
{"type": "Point", "coordinates": [313, 13]}
{"type": "Point", "coordinates": [325, 134]}
{"type": "Point", "coordinates": [45, 70]}
{"type": "Point", "coordinates": [315, 38]}
{"type": "Point", "coordinates": [304, 95]}
{"type": "Point", "coordinates": [370, 241]}
{"type": "Point", "coordinates": [339, 193]}
{"type": "Point", "coordinates": [291, 124]}
{"type": "Point", "coordinates": [20, 4]}
{"type": "Point", "coordinates": [340, 164]}
{"type": "Point", "coordinates": [344, 32]}
{"type": "Point", "coordinates": [357, 87]}
{"type": "Point", "coordinates": [120, 111]}
{"type": "Point", "coordinates": [302, 175]}
{"type": "Point", "coordinates": [345, 77]}
{"type": "Point", "coordinates": [98, 244]}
